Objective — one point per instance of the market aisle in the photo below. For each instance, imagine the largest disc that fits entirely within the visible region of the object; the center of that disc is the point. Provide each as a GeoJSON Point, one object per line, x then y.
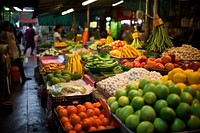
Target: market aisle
{"type": "Point", "coordinates": [28, 116]}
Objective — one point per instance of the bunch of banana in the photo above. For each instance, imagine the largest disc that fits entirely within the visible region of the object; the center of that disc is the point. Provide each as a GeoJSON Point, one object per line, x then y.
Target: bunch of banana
{"type": "Point", "coordinates": [109, 38]}
{"type": "Point", "coordinates": [129, 51]}
{"type": "Point", "coordinates": [74, 65]}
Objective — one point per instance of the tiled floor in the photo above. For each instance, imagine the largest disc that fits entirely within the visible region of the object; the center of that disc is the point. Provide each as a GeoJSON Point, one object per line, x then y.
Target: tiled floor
{"type": "Point", "coordinates": [27, 116]}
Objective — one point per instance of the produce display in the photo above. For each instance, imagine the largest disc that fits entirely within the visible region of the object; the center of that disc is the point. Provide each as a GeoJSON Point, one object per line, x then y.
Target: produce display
{"type": "Point", "coordinates": [155, 106]}
{"type": "Point", "coordinates": [165, 62]}
{"type": "Point", "coordinates": [97, 64]}
{"type": "Point", "coordinates": [51, 67]}
{"type": "Point", "coordinates": [71, 88]}
{"type": "Point", "coordinates": [105, 49]}
{"type": "Point", "coordinates": [185, 52]}
{"type": "Point", "coordinates": [111, 84]}
{"type": "Point", "coordinates": [50, 52]}
{"type": "Point", "coordinates": [127, 51]}
{"type": "Point", "coordinates": [58, 76]}
{"type": "Point", "coordinates": [159, 40]}
{"type": "Point", "coordinates": [188, 76]}
{"type": "Point", "coordinates": [45, 44]}
{"type": "Point", "coordinates": [87, 117]}
{"type": "Point", "coordinates": [60, 44]}
{"type": "Point", "coordinates": [74, 65]}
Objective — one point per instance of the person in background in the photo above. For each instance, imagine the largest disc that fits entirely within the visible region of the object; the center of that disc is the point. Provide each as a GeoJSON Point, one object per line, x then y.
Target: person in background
{"type": "Point", "coordinates": [8, 36]}
{"type": "Point", "coordinates": [29, 39]}
{"type": "Point", "coordinates": [18, 36]}
{"type": "Point", "coordinates": [57, 33]}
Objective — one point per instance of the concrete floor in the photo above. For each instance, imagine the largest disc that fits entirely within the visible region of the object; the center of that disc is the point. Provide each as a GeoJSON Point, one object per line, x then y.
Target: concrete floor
{"type": "Point", "coordinates": [27, 115]}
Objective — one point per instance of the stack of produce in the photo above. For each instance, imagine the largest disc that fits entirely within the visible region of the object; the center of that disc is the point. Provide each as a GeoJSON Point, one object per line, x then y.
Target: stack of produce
{"type": "Point", "coordinates": [154, 106]}
{"type": "Point", "coordinates": [136, 42]}
{"type": "Point", "coordinates": [58, 76]}
{"type": "Point", "coordinates": [50, 52]}
{"type": "Point", "coordinates": [127, 51]}
{"type": "Point", "coordinates": [97, 64]}
{"type": "Point", "coordinates": [51, 67]}
{"type": "Point", "coordinates": [70, 88]}
{"type": "Point", "coordinates": [188, 76]}
{"type": "Point", "coordinates": [159, 40]}
{"type": "Point", "coordinates": [117, 45]}
{"type": "Point", "coordinates": [105, 49]}
{"type": "Point", "coordinates": [109, 38]}
{"type": "Point", "coordinates": [98, 43]}
{"type": "Point", "coordinates": [185, 52]}
{"type": "Point", "coordinates": [84, 117]}
{"type": "Point", "coordinates": [45, 44]}
{"type": "Point", "coordinates": [60, 44]}
{"type": "Point", "coordinates": [111, 84]}
{"type": "Point", "coordinates": [74, 65]}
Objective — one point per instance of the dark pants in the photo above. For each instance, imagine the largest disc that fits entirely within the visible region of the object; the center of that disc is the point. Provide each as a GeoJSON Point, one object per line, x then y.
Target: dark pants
{"type": "Point", "coordinates": [28, 46]}
{"type": "Point", "coordinates": [17, 62]}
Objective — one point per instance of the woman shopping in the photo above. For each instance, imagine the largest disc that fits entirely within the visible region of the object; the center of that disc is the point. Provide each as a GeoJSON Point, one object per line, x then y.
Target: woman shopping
{"type": "Point", "coordinates": [8, 36]}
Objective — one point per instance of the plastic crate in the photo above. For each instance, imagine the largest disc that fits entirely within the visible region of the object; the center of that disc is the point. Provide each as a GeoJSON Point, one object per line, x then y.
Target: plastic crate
{"type": "Point", "coordinates": [67, 100]}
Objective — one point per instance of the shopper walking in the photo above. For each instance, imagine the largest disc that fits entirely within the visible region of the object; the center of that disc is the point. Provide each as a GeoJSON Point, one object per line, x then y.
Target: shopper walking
{"type": "Point", "coordinates": [29, 39]}
{"type": "Point", "coordinates": [9, 38]}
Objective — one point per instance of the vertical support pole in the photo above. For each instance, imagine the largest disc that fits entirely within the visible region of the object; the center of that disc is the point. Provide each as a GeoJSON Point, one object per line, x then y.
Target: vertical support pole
{"type": "Point", "coordinates": [88, 16]}
{"type": "Point", "coordinates": [147, 23]}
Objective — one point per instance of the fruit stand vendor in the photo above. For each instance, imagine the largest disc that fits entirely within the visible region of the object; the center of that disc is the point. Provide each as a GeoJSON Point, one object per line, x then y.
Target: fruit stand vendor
{"type": "Point", "coordinates": [57, 34]}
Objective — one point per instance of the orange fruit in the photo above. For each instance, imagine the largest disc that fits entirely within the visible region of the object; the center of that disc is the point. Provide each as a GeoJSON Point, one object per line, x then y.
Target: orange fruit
{"type": "Point", "coordinates": [71, 109]}
{"type": "Point", "coordinates": [92, 128]}
{"type": "Point", "coordinates": [97, 105]}
{"type": "Point", "coordinates": [166, 59]}
{"type": "Point", "coordinates": [59, 107]}
{"type": "Point", "coordinates": [63, 112]}
{"type": "Point", "coordinates": [78, 127]}
{"type": "Point", "coordinates": [101, 116]}
{"type": "Point", "coordinates": [90, 112]}
{"type": "Point", "coordinates": [86, 123]}
{"type": "Point", "coordinates": [97, 122]}
{"type": "Point", "coordinates": [72, 131]}
{"type": "Point", "coordinates": [105, 121]}
{"type": "Point", "coordinates": [75, 119]}
{"type": "Point", "coordinates": [103, 111]}
{"type": "Point", "coordinates": [88, 105]}
{"type": "Point", "coordinates": [169, 66]}
{"type": "Point", "coordinates": [101, 128]}
{"type": "Point", "coordinates": [68, 127]}
{"type": "Point", "coordinates": [64, 119]}
{"type": "Point", "coordinates": [82, 115]}
{"type": "Point", "coordinates": [80, 108]}
{"type": "Point", "coordinates": [97, 111]}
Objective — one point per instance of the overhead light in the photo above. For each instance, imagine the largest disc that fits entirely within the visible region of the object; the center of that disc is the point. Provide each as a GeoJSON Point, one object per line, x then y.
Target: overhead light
{"type": "Point", "coordinates": [115, 4]}
{"type": "Point", "coordinates": [87, 2]}
{"type": "Point", "coordinates": [28, 10]}
{"type": "Point", "coordinates": [17, 9]}
{"type": "Point", "coordinates": [67, 11]}
{"type": "Point", "coordinates": [6, 8]}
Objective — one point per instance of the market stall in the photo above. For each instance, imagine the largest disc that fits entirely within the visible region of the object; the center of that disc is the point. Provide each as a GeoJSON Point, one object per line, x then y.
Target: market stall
{"type": "Point", "coordinates": [143, 88]}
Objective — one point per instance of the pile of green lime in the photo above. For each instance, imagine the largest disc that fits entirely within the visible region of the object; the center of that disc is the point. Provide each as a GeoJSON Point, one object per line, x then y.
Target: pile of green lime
{"type": "Point", "coordinates": [154, 106]}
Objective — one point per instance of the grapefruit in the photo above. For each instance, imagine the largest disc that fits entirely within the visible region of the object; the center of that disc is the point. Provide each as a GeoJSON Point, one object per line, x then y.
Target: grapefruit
{"type": "Point", "coordinates": [137, 102]}
{"type": "Point", "coordinates": [150, 98]}
{"type": "Point", "coordinates": [133, 93]}
{"type": "Point", "coordinates": [132, 121]}
{"type": "Point", "coordinates": [173, 100]}
{"type": "Point", "coordinates": [132, 86]}
{"type": "Point", "coordinates": [186, 97]}
{"type": "Point", "coordinates": [160, 125]}
{"type": "Point", "coordinates": [196, 109]}
{"type": "Point", "coordinates": [162, 91]}
{"type": "Point", "coordinates": [147, 113]}
{"type": "Point", "coordinates": [193, 122]}
{"type": "Point", "coordinates": [111, 100]}
{"type": "Point", "coordinates": [125, 112]}
{"type": "Point", "coordinates": [145, 127]}
{"type": "Point", "coordinates": [143, 82]}
{"type": "Point", "coordinates": [159, 105]}
{"type": "Point", "coordinates": [114, 106]}
{"type": "Point", "coordinates": [150, 87]}
{"type": "Point", "coordinates": [167, 114]}
{"type": "Point", "coordinates": [175, 89]}
{"type": "Point", "coordinates": [120, 92]}
{"type": "Point", "coordinates": [183, 110]}
{"type": "Point", "coordinates": [123, 101]}
{"type": "Point", "coordinates": [178, 125]}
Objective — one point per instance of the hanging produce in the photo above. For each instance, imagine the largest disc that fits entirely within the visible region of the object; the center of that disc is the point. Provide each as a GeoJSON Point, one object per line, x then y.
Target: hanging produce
{"type": "Point", "coordinates": [159, 40]}
{"type": "Point", "coordinates": [85, 37]}
{"type": "Point", "coordinates": [136, 42]}
{"type": "Point", "coordinates": [109, 38]}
